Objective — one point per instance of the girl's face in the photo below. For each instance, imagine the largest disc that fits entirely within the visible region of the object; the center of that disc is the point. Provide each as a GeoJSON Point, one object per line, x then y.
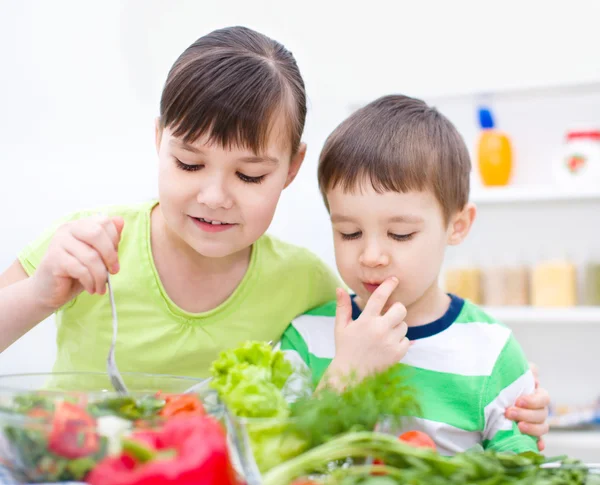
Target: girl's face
{"type": "Point", "coordinates": [220, 201]}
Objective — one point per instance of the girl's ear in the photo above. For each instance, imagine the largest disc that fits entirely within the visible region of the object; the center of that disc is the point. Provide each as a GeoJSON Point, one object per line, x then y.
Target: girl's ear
{"type": "Point", "coordinates": [157, 134]}
{"type": "Point", "coordinates": [295, 164]}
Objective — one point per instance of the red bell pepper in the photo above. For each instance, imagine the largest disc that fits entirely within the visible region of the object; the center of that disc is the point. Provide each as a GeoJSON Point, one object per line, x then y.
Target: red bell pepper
{"type": "Point", "coordinates": [73, 433]}
{"type": "Point", "coordinates": [182, 405]}
{"type": "Point", "coordinates": [187, 451]}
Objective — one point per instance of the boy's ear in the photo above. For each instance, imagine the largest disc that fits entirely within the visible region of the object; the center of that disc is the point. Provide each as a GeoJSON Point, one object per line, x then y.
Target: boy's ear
{"type": "Point", "coordinates": [461, 223]}
{"type": "Point", "coordinates": [157, 134]}
{"type": "Point", "coordinates": [295, 164]}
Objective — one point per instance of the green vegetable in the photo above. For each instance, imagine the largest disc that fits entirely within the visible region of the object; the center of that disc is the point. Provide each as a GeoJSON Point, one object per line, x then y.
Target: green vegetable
{"type": "Point", "coordinates": [80, 467]}
{"type": "Point", "coordinates": [360, 407]}
{"type": "Point", "coordinates": [420, 466]}
{"type": "Point", "coordinates": [250, 379]}
{"type": "Point", "coordinates": [140, 452]}
{"type": "Point", "coordinates": [128, 407]}
{"type": "Point", "coordinates": [273, 441]}
{"type": "Point", "coordinates": [24, 403]}
{"type": "Point", "coordinates": [330, 433]}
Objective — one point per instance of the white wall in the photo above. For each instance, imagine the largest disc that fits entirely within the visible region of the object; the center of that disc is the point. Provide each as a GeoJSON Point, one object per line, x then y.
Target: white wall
{"type": "Point", "coordinates": [80, 84]}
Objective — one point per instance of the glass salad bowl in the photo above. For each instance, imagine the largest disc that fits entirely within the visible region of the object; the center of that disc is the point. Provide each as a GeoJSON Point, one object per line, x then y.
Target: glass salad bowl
{"type": "Point", "coordinates": [57, 426]}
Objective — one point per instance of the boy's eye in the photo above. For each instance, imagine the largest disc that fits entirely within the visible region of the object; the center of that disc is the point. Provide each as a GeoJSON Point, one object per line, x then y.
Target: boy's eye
{"type": "Point", "coordinates": [186, 167]}
{"type": "Point", "coordinates": [401, 237]}
{"type": "Point", "coordinates": [347, 237]}
{"type": "Point", "coordinates": [250, 180]}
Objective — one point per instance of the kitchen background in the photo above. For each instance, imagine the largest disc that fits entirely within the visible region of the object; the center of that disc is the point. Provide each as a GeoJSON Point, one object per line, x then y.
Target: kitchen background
{"type": "Point", "coordinates": [79, 90]}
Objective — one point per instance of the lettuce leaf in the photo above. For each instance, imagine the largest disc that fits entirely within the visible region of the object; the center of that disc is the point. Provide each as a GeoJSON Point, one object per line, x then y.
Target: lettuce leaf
{"type": "Point", "coordinates": [250, 379]}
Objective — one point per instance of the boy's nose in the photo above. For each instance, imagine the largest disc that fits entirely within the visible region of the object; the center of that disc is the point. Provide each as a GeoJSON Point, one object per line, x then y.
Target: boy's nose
{"type": "Point", "coordinates": [373, 255]}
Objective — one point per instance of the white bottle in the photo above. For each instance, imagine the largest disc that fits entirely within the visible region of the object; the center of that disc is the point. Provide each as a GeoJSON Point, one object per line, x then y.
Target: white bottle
{"type": "Point", "coordinates": [579, 163]}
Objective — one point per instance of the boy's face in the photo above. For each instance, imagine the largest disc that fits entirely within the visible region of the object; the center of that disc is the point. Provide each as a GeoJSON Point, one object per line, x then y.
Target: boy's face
{"type": "Point", "coordinates": [377, 236]}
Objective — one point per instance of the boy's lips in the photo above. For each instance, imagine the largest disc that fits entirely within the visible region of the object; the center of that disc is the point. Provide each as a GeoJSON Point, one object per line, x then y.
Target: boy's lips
{"type": "Point", "coordinates": [371, 287]}
{"type": "Point", "coordinates": [211, 225]}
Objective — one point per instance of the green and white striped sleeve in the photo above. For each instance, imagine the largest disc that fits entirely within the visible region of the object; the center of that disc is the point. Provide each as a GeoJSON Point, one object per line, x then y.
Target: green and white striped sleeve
{"type": "Point", "coordinates": [510, 379]}
{"type": "Point", "coordinates": [296, 352]}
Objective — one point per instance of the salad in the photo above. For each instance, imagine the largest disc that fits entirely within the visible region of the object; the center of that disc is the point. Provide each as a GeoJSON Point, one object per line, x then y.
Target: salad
{"type": "Point", "coordinates": [55, 440]}
{"type": "Point", "coordinates": [327, 437]}
{"type": "Point", "coordinates": [296, 435]}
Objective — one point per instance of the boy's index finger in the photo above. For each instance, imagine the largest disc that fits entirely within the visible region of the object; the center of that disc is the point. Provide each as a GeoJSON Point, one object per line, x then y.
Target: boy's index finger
{"type": "Point", "coordinates": [380, 296]}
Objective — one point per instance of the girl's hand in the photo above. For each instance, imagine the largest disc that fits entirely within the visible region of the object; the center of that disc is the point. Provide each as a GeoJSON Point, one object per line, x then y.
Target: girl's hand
{"type": "Point", "coordinates": [77, 259]}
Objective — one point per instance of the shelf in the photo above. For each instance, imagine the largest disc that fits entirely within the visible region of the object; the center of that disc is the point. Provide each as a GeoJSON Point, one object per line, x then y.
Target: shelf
{"type": "Point", "coordinates": [583, 445]}
{"type": "Point", "coordinates": [531, 194]}
{"type": "Point", "coordinates": [498, 92]}
{"type": "Point", "coordinates": [529, 91]}
{"type": "Point", "coordinates": [584, 437]}
{"type": "Point", "coordinates": [582, 314]}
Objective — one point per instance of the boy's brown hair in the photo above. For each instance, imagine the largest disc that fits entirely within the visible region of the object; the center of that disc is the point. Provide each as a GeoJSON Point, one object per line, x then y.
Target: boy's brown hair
{"type": "Point", "coordinates": [398, 143]}
{"type": "Point", "coordinates": [231, 85]}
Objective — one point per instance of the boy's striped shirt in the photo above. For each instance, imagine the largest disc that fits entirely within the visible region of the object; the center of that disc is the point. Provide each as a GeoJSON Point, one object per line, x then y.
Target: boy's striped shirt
{"type": "Point", "coordinates": [465, 367]}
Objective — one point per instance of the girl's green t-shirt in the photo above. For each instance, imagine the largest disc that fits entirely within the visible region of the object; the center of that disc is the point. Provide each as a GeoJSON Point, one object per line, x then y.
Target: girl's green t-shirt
{"type": "Point", "coordinates": [155, 335]}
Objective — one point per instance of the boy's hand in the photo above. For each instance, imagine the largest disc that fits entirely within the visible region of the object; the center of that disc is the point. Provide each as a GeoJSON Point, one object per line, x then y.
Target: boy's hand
{"type": "Point", "coordinates": [531, 411]}
{"type": "Point", "coordinates": [375, 341]}
{"type": "Point", "coordinates": [77, 259]}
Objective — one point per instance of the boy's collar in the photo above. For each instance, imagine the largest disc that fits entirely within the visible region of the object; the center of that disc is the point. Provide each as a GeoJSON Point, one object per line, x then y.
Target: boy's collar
{"type": "Point", "coordinates": [429, 329]}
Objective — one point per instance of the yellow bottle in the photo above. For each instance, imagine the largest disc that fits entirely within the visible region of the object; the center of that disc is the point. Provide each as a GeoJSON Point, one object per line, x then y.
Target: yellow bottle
{"type": "Point", "coordinates": [494, 152]}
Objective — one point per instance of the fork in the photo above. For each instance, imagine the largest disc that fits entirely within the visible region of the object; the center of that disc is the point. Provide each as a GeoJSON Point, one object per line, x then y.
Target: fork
{"type": "Point", "coordinates": [111, 364]}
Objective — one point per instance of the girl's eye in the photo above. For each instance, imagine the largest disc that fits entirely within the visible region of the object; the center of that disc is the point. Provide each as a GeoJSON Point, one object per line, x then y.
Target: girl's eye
{"type": "Point", "coordinates": [348, 237]}
{"type": "Point", "coordinates": [186, 167]}
{"type": "Point", "coordinates": [250, 180]}
{"type": "Point", "coordinates": [401, 237]}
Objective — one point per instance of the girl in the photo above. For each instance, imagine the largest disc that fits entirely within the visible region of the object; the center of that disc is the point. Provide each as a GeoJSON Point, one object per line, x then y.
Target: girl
{"type": "Point", "coordinates": [193, 272]}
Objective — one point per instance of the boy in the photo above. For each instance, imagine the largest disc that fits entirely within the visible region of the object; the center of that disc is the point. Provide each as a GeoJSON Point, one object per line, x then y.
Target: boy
{"type": "Point", "coordinates": [395, 179]}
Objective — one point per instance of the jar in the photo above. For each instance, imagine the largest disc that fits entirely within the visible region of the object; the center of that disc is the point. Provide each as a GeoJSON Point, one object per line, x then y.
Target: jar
{"type": "Point", "coordinates": [592, 284]}
{"type": "Point", "coordinates": [579, 163]}
{"type": "Point", "coordinates": [554, 284]}
{"type": "Point", "coordinates": [464, 282]}
{"type": "Point", "coordinates": [505, 286]}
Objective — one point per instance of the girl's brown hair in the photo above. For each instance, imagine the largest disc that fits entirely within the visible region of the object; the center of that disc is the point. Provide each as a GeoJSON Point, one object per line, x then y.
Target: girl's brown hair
{"type": "Point", "coordinates": [231, 85]}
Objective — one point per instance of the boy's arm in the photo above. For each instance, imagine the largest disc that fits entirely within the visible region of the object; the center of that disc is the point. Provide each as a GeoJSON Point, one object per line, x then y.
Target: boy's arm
{"type": "Point", "coordinates": [296, 352]}
{"type": "Point", "coordinates": [510, 379]}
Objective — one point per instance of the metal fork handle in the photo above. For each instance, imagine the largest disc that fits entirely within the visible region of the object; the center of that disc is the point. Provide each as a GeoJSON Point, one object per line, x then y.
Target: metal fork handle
{"type": "Point", "coordinates": [113, 371]}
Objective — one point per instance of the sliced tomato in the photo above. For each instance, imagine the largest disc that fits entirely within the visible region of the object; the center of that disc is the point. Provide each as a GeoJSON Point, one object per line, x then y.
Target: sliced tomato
{"type": "Point", "coordinates": [73, 433]}
{"type": "Point", "coordinates": [418, 439]}
{"type": "Point", "coordinates": [182, 405]}
{"type": "Point", "coordinates": [378, 461]}
{"type": "Point", "coordinates": [40, 413]}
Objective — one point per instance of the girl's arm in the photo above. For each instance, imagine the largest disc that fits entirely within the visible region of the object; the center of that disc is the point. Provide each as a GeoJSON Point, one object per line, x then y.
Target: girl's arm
{"type": "Point", "coordinates": [19, 309]}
